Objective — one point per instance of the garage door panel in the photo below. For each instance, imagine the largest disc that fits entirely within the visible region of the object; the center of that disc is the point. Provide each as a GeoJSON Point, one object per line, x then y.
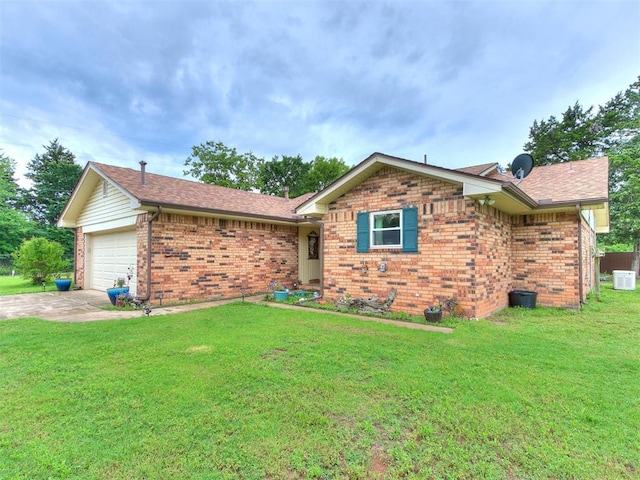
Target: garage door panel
{"type": "Point", "coordinates": [111, 257]}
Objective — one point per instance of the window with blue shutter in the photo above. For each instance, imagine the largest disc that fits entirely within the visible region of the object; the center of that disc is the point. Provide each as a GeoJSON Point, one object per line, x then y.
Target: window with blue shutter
{"type": "Point", "coordinates": [410, 229]}
{"type": "Point", "coordinates": [388, 229]}
{"type": "Point", "coordinates": [362, 232]}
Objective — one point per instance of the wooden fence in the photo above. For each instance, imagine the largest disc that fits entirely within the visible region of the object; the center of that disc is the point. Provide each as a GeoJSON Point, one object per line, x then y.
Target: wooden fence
{"type": "Point", "coordinates": [616, 261]}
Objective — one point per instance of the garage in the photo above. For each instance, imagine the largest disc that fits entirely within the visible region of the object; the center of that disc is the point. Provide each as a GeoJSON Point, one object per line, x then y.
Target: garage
{"type": "Point", "coordinates": [111, 256]}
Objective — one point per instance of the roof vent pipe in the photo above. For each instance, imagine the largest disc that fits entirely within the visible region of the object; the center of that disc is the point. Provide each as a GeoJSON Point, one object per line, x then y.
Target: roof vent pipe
{"type": "Point", "coordinates": [142, 165]}
{"type": "Point", "coordinates": [286, 192]}
{"type": "Point", "coordinates": [425, 158]}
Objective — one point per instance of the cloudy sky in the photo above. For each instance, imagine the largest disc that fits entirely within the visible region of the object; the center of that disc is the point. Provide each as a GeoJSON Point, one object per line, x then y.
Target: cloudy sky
{"type": "Point", "coordinates": [461, 81]}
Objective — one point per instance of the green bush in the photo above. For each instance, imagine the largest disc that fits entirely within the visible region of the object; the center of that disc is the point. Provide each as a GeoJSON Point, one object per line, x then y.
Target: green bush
{"type": "Point", "coordinates": [39, 258]}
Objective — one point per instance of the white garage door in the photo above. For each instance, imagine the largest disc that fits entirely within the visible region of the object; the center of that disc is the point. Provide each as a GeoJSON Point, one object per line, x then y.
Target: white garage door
{"type": "Point", "coordinates": [111, 256]}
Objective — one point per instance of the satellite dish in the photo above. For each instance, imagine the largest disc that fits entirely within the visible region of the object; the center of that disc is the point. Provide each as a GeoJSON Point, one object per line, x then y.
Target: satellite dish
{"type": "Point", "coordinates": [522, 166]}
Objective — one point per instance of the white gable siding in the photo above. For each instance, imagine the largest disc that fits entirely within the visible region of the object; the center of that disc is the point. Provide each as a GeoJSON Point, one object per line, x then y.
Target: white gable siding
{"type": "Point", "coordinates": [107, 212]}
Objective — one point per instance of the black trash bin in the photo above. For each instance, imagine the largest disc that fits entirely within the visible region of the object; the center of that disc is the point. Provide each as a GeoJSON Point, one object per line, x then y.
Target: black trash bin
{"type": "Point", "coordinates": [522, 298]}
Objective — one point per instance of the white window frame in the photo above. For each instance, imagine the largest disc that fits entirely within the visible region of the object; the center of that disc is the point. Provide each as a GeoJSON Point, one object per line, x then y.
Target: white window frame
{"type": "Point", "coordinates": [372, 228]}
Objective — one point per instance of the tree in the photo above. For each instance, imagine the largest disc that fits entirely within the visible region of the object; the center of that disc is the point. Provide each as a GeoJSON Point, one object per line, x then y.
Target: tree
{"type": "Point", "coordinates": [9, 189]}
{"type": "Point", "coordinates": [575, 137]}
{"type": "Point", "coordinates": [624, 181]}
{"type": "Point", "coordinates": [39, 258]}
{"type": "Point", "coordinates": [614, 131]}
{"type": "Point", "coordinates": [54, 175]}
{"type": "Point", "coordinates": [217, 164]}
{"type": "Point", "coordinates": [284, 172]}
{"type": "Point", "coordinates": [14, 225]}
{"type": "Point", "coordinates": [323, 171]}
{"type": "Point", "coordinates": [14, 228]}
{"type": "Point", "coordinates": [619, 118]}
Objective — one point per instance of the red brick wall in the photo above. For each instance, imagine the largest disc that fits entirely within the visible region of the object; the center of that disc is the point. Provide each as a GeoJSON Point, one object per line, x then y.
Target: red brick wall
{"type": "Point", "coordinates": [474, 253]}
{"type": "Point", "coordinates": [443, 266]}
{"type": "Point", "coordinates": [200, 258]}
{"type": "Point", "coordinates": [493, 262]}
{"type": "Point", "coordinates": [546, 257]}
{"type": "Point", "coordinates": [80, 258]}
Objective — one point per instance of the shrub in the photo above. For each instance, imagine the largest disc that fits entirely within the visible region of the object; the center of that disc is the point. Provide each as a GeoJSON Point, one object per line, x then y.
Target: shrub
{"type": "Point", "coordinates": [39, 258]}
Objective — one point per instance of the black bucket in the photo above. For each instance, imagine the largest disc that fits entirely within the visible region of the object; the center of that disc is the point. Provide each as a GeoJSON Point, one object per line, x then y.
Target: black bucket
{"type": "Point", "coordinates": [522, 298]}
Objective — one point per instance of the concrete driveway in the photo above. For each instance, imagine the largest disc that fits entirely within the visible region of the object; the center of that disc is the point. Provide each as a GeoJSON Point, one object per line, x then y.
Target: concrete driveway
{"type": "Point", "coordinates": [82, 306]}
{"type": "Point", "coordinates": [53, 305]}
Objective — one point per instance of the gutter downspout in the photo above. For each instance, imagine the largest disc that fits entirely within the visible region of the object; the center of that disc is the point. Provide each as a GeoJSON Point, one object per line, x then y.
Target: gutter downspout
{"type": "Point", "coordinates": [580, 266]}
{"type": "Point", "coordinates": [149, 222]}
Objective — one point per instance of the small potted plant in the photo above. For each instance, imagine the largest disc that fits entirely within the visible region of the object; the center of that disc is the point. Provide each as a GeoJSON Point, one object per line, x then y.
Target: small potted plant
{"type": "Point", "coordinates": [123, 299]}
{"type": "Point", "coordinates": [280, 294]}
{"type": "Point", "coordinates": [118, 288]}
{"type": "Point", "coordinates": [343, 303]}
{"type": "Point", "coordinates": [433, 313]}
{"type": "Point", "coordinates": [62, 284]}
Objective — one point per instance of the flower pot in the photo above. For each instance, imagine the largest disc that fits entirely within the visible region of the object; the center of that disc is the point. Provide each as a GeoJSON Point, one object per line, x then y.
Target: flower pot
{"type": "Point", "coordinates": [114, 292]}
{"type": "Point", "coordinates": [280, 296]}
{"type": "Point", "coordinates": [522, 298]}
{"type": "Point", "coordinates": [433, 317]}
{"type": "Point", "coordinates": [63, 284]}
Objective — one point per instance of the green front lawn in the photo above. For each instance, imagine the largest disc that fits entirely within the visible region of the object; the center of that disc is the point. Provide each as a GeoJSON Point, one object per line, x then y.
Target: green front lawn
{"type": "Point", "coordinates": [250, 391]}
{"type": "Point", "coordinates": [14, 285]}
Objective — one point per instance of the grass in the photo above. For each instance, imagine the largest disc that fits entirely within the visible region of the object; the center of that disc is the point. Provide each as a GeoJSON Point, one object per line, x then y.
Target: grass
{"type": "Point", "coordinates": [250, 391]}
{"type": "Point", "coordinates": [15, 285]}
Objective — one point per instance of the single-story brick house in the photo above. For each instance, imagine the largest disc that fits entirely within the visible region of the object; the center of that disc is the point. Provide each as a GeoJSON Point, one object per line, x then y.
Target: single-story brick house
{"type": "Point", "coordinates": [430, 232]}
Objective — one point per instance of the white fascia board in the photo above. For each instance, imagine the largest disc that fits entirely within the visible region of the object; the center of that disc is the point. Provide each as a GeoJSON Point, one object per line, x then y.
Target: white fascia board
{"type": "Point", "coordinates": [314, 209]}
{"type": "Point", "coordinates": [472, 187]}
{"type": "Point", "coordinates": [111, 225]}
{"type": "Point", "coordinates": [77, 195]}
{"type": "Point", "coordinates": [602, 219]}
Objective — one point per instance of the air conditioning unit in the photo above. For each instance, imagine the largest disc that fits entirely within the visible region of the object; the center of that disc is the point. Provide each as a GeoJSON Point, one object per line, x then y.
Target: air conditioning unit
{"type": "Point", "coordinates": [624, 280]}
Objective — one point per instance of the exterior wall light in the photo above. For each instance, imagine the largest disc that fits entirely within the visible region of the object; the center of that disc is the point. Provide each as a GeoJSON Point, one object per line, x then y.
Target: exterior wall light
{"type": "Point", "coordinates": [487, 199]}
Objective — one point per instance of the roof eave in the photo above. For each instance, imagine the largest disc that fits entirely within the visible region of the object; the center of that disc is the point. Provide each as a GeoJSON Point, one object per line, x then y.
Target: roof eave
{"type": "Point", "coordinates": [69, 216]}
{"type": "Point", "coordinates": [150, 205]}
{"type": "Point", "coordinates": [317, 205]}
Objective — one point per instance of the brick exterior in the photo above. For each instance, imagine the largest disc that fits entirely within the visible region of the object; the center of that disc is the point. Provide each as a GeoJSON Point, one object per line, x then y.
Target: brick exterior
{"type": "Point", "coordinates": [202, 258]}
{"type": "Point", "coordinates": [474, 253]}
{"type": "Point", "coordinates": [546, 258]}
{"type": "Point", "coordinates": [79, 260]}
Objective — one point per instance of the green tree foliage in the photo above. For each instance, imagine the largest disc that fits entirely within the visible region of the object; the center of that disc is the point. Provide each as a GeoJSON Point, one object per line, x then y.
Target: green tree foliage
{"type": "Point", "coordinates": [217, 164]}
{"type": "Point", "coordinates": [284, 172]}
{"type": "Point", "coordinates": [39, 258]}
{"type": "Point", "coordinates": [613, 130]}
{"type": "Point", "coordinates": [624, 197]}
{"type": "Point", "coordinates": [14, 228]}
{"type": "Point", "coordinates": [574, 137]}
{"type": "Point", "coordinates": [619, 118]}
{"type": "Point", "coordinates": [323, 171]}
{"type": "Point", "coordinates": [14, 225]}
{"type": "Point", "coordinates": [54, 175]}
{"type": "Point", "coordinates": [9, 189]}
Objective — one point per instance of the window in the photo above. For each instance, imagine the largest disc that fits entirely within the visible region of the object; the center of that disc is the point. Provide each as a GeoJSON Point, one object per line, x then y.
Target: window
{"type": "Point", "coordinates": [312, 243]}
{"type": "Point", "coordinates": [386, 229]}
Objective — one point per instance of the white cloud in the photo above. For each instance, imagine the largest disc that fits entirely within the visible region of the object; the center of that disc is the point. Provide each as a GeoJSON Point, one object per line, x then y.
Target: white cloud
{"type": "Point", "coordinates": [461, 81]}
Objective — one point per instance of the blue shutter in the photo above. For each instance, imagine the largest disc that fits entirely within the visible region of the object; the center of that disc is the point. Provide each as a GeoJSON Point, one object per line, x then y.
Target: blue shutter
{"type": "Point", "coordinates": [410, 229]}
{"type": "Point", "coordinates": [362, 232]}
